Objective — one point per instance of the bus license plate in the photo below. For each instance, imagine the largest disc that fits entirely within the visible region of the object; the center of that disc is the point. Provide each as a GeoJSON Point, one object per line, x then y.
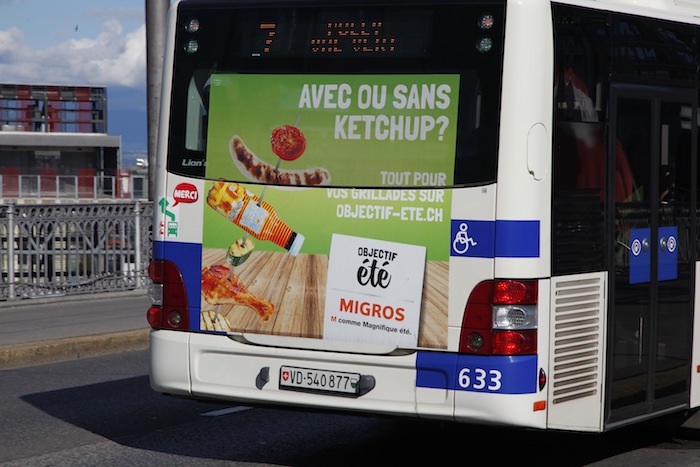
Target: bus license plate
{"type": "Point", "coordinates": [319, 380]}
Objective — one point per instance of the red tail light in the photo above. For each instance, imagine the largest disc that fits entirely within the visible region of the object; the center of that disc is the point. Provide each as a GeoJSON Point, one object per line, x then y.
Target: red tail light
{"type": "Point", "coordinates": [512, 292]}
{"type": "Point", "coordinates": [501, 319]}
{"type": "Point", "coordinates": [514, 342]}
{"type": "Point", "coordinates": [169, 309]}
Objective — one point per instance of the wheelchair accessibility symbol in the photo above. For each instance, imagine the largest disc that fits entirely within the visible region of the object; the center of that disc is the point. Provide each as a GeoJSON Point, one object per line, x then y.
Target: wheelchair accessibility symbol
{"type": "Point", "coordinates": [462, 240]}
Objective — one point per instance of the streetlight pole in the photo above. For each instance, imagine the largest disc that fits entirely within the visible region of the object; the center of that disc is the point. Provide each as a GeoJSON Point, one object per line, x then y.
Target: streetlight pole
{"type": "Point", "coordinates": [156, 25]}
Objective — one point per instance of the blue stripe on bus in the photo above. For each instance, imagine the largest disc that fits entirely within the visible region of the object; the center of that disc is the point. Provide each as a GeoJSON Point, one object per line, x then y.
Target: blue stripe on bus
{"type": "Point", "coordinates": [518, 239]}
{"type": "Point", "coordinates": [489, 239]}
{"type": "Point", "coordinates": [188, 258]}
{"type": "Point", "coordinates": [489, 374]}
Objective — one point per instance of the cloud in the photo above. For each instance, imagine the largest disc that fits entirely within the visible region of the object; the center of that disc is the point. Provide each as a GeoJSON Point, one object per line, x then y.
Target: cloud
{"type": "Point", "coordinates": [7, 40]}
{"type": "Point", "coordinates": [99, 15]}
{"type": "Point", "coordinates": [112, 58]}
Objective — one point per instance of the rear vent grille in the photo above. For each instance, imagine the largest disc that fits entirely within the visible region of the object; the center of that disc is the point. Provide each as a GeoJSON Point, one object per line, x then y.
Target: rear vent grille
{"type": "Point", "coordinates": [577, 334]}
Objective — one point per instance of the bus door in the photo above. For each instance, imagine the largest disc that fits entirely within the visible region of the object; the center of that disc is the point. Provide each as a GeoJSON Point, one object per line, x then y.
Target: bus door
{"type": "Point", "coordinates": [649, 321]}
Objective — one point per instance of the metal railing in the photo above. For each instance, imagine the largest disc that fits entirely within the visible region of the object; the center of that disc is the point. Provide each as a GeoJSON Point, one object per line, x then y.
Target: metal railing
{"type": "Point", "coordinates": [73, 187]}
{"type": "Point", "coordinates": [70, 249]}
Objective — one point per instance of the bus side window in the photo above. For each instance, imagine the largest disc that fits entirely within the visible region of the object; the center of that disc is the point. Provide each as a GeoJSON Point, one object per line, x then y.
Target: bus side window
{"type": "Point", "coordinates": [579, 153]}
{"type": "Point", "coordinates": [197, 112]}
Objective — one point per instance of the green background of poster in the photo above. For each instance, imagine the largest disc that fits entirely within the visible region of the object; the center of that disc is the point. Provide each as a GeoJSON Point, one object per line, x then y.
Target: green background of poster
{"type": "Point", "coordinates": [314, 214]}
{"type": "Point", "coordinates": [251, 106]}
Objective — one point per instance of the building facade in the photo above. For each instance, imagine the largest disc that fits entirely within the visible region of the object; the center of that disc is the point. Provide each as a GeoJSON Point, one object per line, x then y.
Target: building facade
{"type": "Point", "coordinates": [54, 144]}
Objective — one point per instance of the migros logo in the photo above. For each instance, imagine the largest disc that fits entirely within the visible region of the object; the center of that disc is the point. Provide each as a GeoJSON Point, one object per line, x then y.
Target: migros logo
{"type": "Point", "coordinates": [374, 310]}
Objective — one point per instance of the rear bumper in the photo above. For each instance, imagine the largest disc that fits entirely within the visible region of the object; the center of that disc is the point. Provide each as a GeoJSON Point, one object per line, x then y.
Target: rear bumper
{"type": "Point", "coordinates": [217, 367]}
{"type": "Point", "coordinates": [210, 366]}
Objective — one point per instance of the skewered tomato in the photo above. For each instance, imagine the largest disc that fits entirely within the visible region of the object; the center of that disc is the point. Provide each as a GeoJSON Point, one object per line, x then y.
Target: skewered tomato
{"type": "Point", "coordinates": [288, 142]}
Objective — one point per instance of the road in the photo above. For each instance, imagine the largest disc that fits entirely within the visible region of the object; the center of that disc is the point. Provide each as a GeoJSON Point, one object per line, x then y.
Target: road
{"type": "Point", "coordinates": [102, 411]}
{"type": "Point", "coordinates": [50, 330]}
{"type": "Point", "coordinates": [83, 315]}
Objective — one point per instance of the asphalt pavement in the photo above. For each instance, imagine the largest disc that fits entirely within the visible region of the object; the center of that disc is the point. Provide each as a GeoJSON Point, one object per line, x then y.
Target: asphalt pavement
{"type": "Point", "coordinates": [48, 330]}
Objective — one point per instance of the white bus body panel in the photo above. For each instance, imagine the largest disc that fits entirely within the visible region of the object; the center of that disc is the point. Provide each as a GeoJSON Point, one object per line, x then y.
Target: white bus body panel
{"type": "Point", "coordinates": [222, 368]}
{"type": "Point", "coordinates": [524, 167]}
{"type": "Point", "coordinates": [225, 368]}
{"type": "Point", "coordinates": [577, 352]}
{"type": "Point", "coordinates": [695, 361]}
{"type": "Point", "coordinates": [489, 409]}
{"type": "Point", "coordinates": [522, 410]}
{"type": "Point", "coordinates": [466, 273]}
{"type": "Point", "coordinates": [169, 358]}
{"type": "Point", "coordinates": [157, 172]}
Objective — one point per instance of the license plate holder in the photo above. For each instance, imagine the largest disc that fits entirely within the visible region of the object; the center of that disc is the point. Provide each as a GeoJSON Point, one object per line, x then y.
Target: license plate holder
{"type": "Point", "coordinates": [320, 381]}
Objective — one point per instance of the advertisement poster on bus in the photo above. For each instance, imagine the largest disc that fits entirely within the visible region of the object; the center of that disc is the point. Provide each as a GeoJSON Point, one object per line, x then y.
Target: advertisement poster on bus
{"type": "Point", "coordinates": [326, 214]}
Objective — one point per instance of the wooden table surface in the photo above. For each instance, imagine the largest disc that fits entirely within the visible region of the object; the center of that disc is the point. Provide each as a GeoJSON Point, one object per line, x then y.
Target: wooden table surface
{"type": "Point", "coordinates": [297, 288]}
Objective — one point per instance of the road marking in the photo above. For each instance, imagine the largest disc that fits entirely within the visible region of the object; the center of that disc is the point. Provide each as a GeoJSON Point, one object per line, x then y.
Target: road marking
{"type": "Point", "coordinates": [220, 412]}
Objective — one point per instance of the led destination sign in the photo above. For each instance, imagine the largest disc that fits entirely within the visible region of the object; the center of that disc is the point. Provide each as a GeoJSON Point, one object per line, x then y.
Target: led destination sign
{"type": "Point", "coordinates": [340, 33]}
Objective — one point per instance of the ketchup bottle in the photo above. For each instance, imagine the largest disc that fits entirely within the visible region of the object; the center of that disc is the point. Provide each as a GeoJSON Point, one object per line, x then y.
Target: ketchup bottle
{"type": "Point", "coordinates": [256, 217]}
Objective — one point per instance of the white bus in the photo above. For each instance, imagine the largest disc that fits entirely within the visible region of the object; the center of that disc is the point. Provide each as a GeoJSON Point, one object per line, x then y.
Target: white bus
{"type": "Point", "coordinates": [480, 211]}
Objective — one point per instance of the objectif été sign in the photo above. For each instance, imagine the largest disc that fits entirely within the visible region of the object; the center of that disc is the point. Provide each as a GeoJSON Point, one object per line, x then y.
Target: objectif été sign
{"type": "Point", "coordinates": [373, 291]}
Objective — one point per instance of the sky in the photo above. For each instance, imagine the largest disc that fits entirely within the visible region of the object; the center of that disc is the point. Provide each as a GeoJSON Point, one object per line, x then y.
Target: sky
{"type": "Point", "coordinates": [82, 42]}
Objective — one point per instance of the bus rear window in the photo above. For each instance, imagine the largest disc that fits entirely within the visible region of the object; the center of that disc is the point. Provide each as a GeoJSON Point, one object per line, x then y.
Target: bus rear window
{"type": "Point", "coordinates": [329, 97]}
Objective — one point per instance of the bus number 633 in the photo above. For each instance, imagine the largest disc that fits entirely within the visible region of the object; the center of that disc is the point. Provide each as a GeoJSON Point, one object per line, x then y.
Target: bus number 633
{"type": "Point", "coordinates": [479, 379]}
